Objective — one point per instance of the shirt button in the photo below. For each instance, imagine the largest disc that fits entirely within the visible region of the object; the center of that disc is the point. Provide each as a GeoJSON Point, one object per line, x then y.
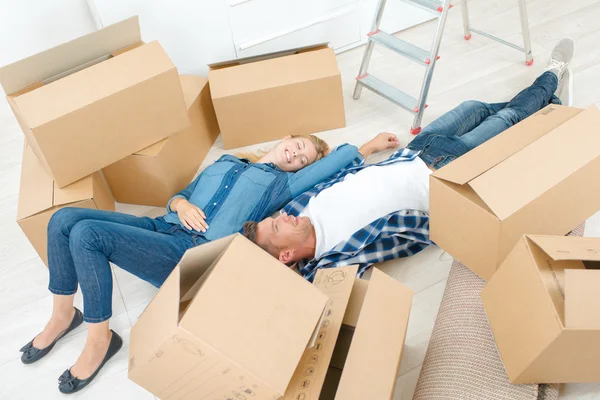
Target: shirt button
{"type": "Point", "coordinates": [226, 187]}
{"type": "Point", "coordinates": [214, 204]}
{"type": "Point", "coordinates": [236, 171]}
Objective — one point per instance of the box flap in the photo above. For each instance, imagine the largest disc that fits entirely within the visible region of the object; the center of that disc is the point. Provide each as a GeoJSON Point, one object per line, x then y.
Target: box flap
{"type": "Point", "coordinates": [197, 260]}
{"type": "Point", "coordinates": [357, 297]}
{"type": "Point", "coordinates": [36, 191]}
{"type": "Point", "coordinates": [582, 302]}
{"type": "Point", "coordinates": [93, 84]}
{"type": "Point", "coordinates": [568, 247]}
{"type": "Point", "coordinates": [272, 73]}
{"type": "Point", "coordinates": [374, 357]}
{"type": "Point", "coordinates": [275, 54]}
{"type": "Point", "coordinates": [81, 190]}
{"type": "Point", "coordinates": [337, 283]}
{"type": "Point", "coordinates": [69, 55]}
{"type": "Point", "coordinates": [538, 167]}
{"type": "Point", "coordinates": [192, 87]}
{"type": "Point", "coordinates": [153, 149]}
{"type": "Point", "coordinates": [256, 312]}
{"type": "Point", "coordinates": [499, 148]}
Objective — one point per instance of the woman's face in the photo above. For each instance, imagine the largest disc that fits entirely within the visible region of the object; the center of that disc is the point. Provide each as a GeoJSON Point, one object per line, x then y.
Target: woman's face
{"type": "Point", "coordinates": [293, 154]}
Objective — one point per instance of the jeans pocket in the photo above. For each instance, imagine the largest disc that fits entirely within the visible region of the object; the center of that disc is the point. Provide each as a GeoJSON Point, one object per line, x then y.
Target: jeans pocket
{"type": "Point", "coordinates": [440, 150]}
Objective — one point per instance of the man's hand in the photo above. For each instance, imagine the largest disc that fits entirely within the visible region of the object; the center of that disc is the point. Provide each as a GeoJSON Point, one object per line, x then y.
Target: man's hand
{"type": "Point", "coordinates": [383, 141]}
{"type": "Point", "coordinates": [191, 217]}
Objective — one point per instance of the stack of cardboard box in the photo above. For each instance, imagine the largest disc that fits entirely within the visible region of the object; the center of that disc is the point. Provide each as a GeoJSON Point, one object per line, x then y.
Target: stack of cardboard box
{"type": "Point", "coordinates": [105, 101]}
{"type": "Point", "coordinates": [488, 209]}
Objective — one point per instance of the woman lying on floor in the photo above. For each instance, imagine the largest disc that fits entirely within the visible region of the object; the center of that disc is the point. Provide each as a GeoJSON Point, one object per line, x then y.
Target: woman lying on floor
{"type": "Point", "coordinates": [82, 242]}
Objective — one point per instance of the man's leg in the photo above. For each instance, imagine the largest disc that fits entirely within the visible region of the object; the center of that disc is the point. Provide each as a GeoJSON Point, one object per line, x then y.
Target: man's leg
{"type": "Point", "coordinates": [529, 101]}
{"type": "Point", "coordinates": [526, 103]}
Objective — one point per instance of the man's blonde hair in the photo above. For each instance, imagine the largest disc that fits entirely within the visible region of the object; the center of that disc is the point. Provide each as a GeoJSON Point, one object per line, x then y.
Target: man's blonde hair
{"type": "Point", "coordinates": [321, 146]}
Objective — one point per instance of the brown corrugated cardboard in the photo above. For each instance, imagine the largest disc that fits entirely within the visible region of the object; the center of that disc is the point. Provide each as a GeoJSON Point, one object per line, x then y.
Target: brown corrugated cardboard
{"type": "Point", "coordinates": [366, 356]}
{"type": "Point", "coordinates": [82, 108]}
{"type": "Point", "coordinates": [309, 377]}
{"type": "Point", "coordinates": [40, 198]}
{"type": "Point", "coordinates": [374, 357]}
{"type": "Point", "coordinates": [266, 98]}
{"type": "Point", "coordinates": [243, 332]}
{"type": "Point", "coordinates": [543, 307]}
{"type": "Point", "coordinates": [537, 178]}
{"type": "Point", "coordinates": [153, 175]}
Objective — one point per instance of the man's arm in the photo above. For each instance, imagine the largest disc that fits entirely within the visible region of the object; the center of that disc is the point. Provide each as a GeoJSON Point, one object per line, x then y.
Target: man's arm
{"type": "Point", "coordinates": [383, 141]}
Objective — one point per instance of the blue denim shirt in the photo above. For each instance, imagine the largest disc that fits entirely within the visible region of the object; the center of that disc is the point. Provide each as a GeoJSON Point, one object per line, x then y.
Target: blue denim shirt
{"type": "Point", "coordinates": [232, 191]}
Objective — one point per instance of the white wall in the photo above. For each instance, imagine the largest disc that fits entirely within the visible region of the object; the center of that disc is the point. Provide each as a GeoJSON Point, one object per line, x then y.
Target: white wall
{"type": "Point", "coordinates": [194, 33]}
{"type": "Point", "coordinates": [30, 26]}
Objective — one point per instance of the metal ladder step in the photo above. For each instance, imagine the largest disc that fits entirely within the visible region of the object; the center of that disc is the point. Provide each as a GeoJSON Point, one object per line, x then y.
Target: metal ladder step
{"type": "Point", "coordinates": [389, 92]}
{"type": "Point", "coordinates": [402, 47]}
{"type": "Point", "coordinates": [432, 6]}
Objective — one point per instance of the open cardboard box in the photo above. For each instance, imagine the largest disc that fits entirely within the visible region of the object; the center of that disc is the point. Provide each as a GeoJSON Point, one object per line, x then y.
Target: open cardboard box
{"type": "Point", "coordinates": [153, 175]}
{"type": "Point", "coordinates": [229, 319]}
{"type": "Point", "coordinates": [543, 306]}
{"type": "Point", "coordinates": [538, 177]}
{"type": "Point", "coordinates": [265, 98]}
{"type": "Point", "coordinates": [40, 198]}
{"type": "Point", "coordinates": [96, 99]}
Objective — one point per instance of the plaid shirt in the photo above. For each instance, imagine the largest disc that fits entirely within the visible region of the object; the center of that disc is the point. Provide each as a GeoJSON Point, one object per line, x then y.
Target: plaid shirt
{"type": "Point", "coordinates": [399, 234]}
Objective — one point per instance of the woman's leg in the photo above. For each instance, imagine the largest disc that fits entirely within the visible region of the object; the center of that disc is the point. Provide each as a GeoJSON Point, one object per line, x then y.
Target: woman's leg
{"type": "Point", "coordinates": [63, 277]}
{"type": "Point", "coordinates": [458, 121]}
{"type": "Point", "coordinates": [93, 244]}
{"type": "Point", "coordinates": [527, 102]}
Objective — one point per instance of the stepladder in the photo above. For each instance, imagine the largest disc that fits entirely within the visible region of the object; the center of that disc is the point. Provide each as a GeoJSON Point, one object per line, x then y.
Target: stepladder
{"type": "Point", "coordinates": [427, 58]}
{"type": "Point", "coordinates": [526, 49]}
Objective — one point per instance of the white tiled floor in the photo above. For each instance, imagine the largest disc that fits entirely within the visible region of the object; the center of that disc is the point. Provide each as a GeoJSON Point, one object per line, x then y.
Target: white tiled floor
{"type": "Point", "coordinates": [477, 69]}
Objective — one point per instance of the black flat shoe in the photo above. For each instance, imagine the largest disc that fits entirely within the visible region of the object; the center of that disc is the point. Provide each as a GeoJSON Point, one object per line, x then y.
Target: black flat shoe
{"type": "Point", "coordinates": [68, 384]}
{"type": "Point", "coordinates": [32, 354]}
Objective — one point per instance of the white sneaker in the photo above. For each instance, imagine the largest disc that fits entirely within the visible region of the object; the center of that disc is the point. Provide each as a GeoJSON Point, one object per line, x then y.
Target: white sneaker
{"type": "Point", "coordinates": [565, 88]}
{"type": "Point", "coordinates": [561, 56]}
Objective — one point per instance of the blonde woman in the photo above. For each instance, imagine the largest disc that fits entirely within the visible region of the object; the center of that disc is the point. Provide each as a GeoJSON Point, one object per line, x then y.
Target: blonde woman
{"type": "Point", "coordinates": [82, 242]}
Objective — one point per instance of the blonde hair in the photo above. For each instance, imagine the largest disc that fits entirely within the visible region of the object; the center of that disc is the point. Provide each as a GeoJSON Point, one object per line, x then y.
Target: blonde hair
{"type": "Point", "coordinates": [321, 146]}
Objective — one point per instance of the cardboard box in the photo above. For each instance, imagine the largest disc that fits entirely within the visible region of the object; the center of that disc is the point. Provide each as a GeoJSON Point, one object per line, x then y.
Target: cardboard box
{"type": "Point", "coordinates": [359, 345]}
{"type": "Point", "coordinates": [40, 198]}
{"type": "Point", "coordinates": [229, 320]}
{"type": "Point", "coordinates": [544, 310]}
{"type": "Point", "coordinates": [265, 98]}
{"type": "Point", "coordinates": [87, 103]}
{"type": "Point", "coordinates": [538, 177]}
{"type": "Point", "coordinates": [153, 175]}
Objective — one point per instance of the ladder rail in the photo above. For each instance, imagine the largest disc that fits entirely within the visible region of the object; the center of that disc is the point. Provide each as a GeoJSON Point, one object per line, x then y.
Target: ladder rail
{"type": "Point", "coordinates": [526, 49]}
{"type": "Point", "coordinates": [435, 48]}
{"type": "Point", "coordinates": [364, 65]}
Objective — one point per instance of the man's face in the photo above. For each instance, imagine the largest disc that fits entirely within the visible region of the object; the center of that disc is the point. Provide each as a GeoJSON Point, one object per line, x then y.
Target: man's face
{"type": "Point", "coordinates": [284, 236]}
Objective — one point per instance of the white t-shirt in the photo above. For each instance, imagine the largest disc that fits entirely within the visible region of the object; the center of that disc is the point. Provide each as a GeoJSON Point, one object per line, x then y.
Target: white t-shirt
{"type": "Point", "coordinates": [348, 206]}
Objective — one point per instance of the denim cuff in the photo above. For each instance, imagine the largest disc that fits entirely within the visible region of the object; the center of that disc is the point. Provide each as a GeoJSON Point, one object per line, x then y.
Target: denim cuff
{"type": "Point", "coordinates": [96, 320]}
{"type": "Point", "coordinates": [62, 292]}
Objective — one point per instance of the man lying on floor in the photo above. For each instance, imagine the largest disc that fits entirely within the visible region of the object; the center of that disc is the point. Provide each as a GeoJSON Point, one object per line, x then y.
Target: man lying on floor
{"type": "Point", "coordinates": [371, 213]}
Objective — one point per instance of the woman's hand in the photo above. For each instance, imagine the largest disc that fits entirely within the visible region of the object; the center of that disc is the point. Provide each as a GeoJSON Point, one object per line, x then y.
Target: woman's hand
{"type": "Point", "coordinates": [191, 217]}
{"type": "Point", "coordinates": [383, 141]}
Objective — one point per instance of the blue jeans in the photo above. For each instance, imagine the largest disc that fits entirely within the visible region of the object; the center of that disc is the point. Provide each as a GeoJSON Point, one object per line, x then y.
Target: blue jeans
{"type": "Point", "coordinates": [81, 242]}
{"type": "Point", "coordinates": [474, 122]}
